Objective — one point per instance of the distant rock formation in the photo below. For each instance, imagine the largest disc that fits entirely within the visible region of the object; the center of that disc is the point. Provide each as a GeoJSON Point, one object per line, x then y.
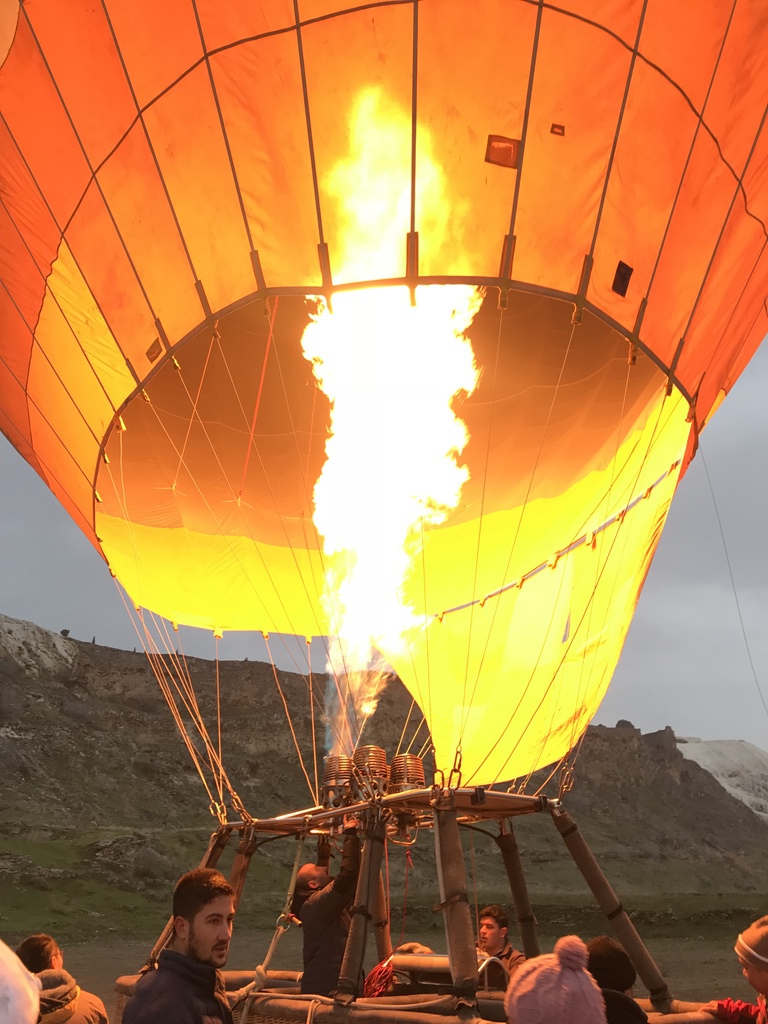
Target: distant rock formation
{"type": "Point", "coordinates": [740, 767]}
{"type": "Point", "coordinates": [88, 748]}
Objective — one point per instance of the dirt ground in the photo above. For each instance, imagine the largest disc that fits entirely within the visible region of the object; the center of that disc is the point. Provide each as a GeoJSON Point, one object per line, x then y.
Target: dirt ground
{"type": "Point", "coordinates": [696, 967]}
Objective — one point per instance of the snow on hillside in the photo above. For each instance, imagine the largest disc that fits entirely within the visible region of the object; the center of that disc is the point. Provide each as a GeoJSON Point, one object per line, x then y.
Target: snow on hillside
{"type": "Point", "coordinates": [740, 767]}
{"type": "Point", "coordinates": [37, 650]}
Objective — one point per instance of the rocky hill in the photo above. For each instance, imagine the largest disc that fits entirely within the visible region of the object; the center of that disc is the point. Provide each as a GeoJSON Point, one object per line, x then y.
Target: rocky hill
{"type": "Point", "coordinates": [102, 806]}
{"type": "Point", "coordinates": [740, 767]}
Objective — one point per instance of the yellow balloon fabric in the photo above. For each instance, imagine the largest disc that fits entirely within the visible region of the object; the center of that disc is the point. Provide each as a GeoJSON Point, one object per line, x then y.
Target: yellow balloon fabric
{"type": "Point", "coordinates": [179, 181]}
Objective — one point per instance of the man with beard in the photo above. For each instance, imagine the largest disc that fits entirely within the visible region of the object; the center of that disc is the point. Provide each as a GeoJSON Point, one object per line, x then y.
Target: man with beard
{"type": "Point", "coordinates": [187, 988]}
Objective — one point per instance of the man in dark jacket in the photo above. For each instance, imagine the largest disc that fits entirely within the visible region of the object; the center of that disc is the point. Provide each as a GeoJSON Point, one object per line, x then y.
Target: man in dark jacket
{"type": "Point", "coordinates": [61, 999]}
{"type": "Point", "coordinates": [187, 988]}
{"type": "Point", "coordinates": [321, 904]}
{"type": "Point", "coordinates": [613, 971]}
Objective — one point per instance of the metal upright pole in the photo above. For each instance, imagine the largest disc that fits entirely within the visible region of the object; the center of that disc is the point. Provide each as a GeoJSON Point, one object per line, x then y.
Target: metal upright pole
{"type": "Point", "coordinates": [216, 846]}
{"type": "Point", "coordinates": [454, 901]}
{"type": "Point", "coordinates": [365, 894]}
{"type": "Point", "coordinates": [611, 906]}
{"type": "Point", "coordinates": [246, 848]}
{"type": "Point", "coordinates": [510, 853]}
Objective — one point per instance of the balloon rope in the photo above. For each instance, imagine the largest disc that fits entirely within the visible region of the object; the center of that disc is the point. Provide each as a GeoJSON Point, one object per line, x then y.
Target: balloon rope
{"type": "Point", "coordinates": [575, 631]}
{"type": "Point", "coordinates": [195, 403]}
{"type": "Point", "coordinates": [219, 779]}
{"type": "Point", "coordinates": [167, 694]}
{"type": "Point", "coordinates": [733, 587]}
{"type": "Point", "coordinates": [518, 528]}
{"type": "Point", "coordinates": [288, 716]}
{"type": "Point", "coordinates": [223, 532]}
{"type": "Point", "coordinates": [257, 403]}
{"type": "Point", "coordinates": [312, 719]}
{"type": "Point", "coordinates": [405, 726]}
{"type": "Point", "coordinates": [467, 701]}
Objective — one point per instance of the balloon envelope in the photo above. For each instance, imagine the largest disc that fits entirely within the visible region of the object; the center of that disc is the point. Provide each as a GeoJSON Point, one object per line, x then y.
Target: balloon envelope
{"type": "Point", "coordinates": [177, 179]}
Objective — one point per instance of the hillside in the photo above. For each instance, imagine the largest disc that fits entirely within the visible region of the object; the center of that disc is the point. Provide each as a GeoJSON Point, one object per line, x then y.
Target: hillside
{"type": "Point", "coordinates": [102, 807]}
{"type": "Point", "coordinates": [741, 768]}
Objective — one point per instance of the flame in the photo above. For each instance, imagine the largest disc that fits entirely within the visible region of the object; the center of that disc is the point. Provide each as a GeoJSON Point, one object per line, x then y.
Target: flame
{"type": "Point", "coordinates": [392, 370]}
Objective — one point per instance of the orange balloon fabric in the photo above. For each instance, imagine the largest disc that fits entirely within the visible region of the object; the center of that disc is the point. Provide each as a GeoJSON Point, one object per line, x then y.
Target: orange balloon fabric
{"type": "Point", "coordinates": [179, 179]}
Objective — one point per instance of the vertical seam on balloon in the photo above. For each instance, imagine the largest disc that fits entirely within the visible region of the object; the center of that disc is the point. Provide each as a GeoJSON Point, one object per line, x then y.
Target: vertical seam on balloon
{"type": "Point", "coordinates": [479, 540]}
{"type": "Point", "coordinates": [739, 190]}
{"type": "Point", "coordinates": [617, 131]}
{"type": "Point", "coordinates": [272, 494]}
{"type": "Point", "coordinates": [525, 503]}
{"type": "Point", "coordinates": [54, 299]}
{"type": "Point", "coordinates": [220, 114]}
{"type": "Point", "coordinates": [307, 495]}
{"type": "Point", "coordinates": [209, 509]}
{"type": "Point", "coordinates": [45, 279]}
{"type": "Point", "coordinates": [97, 185]}
{"type": "Point", "coordinates": [578, 625]}
{"type": "Point", "coordinates": [526, 118]}
{"type": "Point", "coordinates": [308, 119]}
{"type": "Point", "coordinates": [31, 402]}
{"type": "Point", "coordinates": [232, 550]}
{"type": "Point", "coordinates": [414, 108]}
{"type": "Point", "coordinates": [195, 403]}
{"type": "Point", "coordinates": [759, 312]}
{"type": "Point", "coordinates": [153, 154]}
{"type": "Point", "coordinates": [582, 683]}
{"type": "Point", "coordinates": [257, 403]}
{"type": "Point", "coordinates": [199, 725]}
{"type": "Point", "coordinates": [208, 506]}
{"type": "Point", "coordinates": [47, 358]}
{"type": "Point", "coordinates": [689, 156]}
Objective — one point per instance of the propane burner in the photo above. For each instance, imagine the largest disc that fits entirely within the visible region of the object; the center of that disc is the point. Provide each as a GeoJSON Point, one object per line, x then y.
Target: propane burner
{"type": "Point", "coordinates": [406, 772]}
{"type": "Point", "coordinates": [371, 777]}
{"type": "Point", "coordinates": [337, 780]}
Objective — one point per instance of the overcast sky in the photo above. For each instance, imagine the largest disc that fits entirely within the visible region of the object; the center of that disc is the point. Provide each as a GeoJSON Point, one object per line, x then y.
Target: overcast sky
{"type": "Point", "coordinates": [685, 663]}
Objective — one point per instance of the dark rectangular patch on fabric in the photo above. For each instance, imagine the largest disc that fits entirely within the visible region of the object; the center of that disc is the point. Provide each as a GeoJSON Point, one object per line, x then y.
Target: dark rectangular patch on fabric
{"type": "Point", "coordinates": [502, 151]}
{"type": "Point", "coordinates": [557, 129]}
{"type": "Point", "coordinates": [621, 279]}
{"type": "Point", "coordinates": [154, 350]}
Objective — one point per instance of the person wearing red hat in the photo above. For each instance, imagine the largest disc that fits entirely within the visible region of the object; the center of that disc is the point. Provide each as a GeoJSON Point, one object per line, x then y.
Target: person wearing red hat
{"type": "Point", "coordinates": [752, 950]}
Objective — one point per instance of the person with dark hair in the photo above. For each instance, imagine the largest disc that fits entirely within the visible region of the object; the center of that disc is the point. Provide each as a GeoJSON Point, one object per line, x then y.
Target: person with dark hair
{"type": "Point", "coordinates": [492, 941]}
{"type": "Point", "coordinates": [187, 988]}
{"type": "Point", "coordinates": [321, 904]}
{"type": "Point", "coordinates": [61, 999]}
{"type": "Point", "coordinates": [614, 972]}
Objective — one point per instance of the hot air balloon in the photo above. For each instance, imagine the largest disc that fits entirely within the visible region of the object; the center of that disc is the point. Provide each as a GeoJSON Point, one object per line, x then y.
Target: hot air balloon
{"type": "Point", "coordinates": [394, 324]}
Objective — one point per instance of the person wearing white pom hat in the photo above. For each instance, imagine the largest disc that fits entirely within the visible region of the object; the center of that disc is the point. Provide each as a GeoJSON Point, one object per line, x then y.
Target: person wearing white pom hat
{"type": "Point", "coordinates": [555, 988]}
{"type": "Point", "coordinates": [19, 990]}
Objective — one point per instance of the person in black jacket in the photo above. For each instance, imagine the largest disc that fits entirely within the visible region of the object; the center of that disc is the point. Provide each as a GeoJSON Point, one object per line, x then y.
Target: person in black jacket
{"type": "Point", "coordinates": [321, 904]}
{"type": "Point", "coordinates": [613, 971]}
{"type": "Point", "coordinates": [187, 988]}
